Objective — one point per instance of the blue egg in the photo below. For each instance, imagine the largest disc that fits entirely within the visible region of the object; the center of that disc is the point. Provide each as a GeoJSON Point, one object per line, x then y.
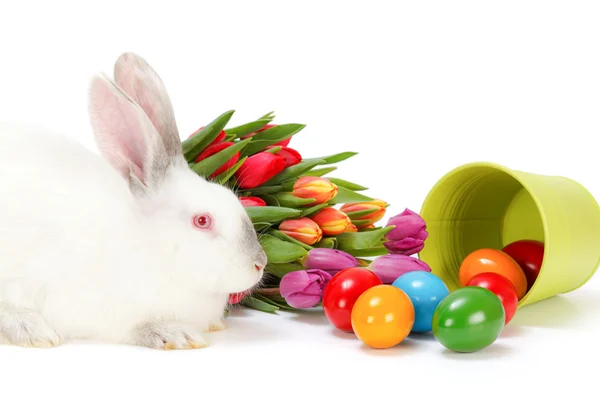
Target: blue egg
{"type": "Point", "coordinates": [426, 291]}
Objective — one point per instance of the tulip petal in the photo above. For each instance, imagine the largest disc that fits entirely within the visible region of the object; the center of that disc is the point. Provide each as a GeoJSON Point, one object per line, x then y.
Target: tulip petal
{"type": "Point", "coordinates": [303, 289]}
{"type": "Point", "coordinates": [329, 260]}
{"type": "Point", "coordinates": [389, 267]}
{"type": "Point", "coordinates": [301, 300]}
{"type": "Point", "coordinates": [258, 169]}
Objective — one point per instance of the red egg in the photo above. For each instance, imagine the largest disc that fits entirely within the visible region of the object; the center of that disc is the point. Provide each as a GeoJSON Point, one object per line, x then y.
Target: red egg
{"type": "Point", "coordinates": [501, 287]}
{"type": "Point", "coordinates": [529, 254]}
{"type": "Point", "coordinates": [341, 293]}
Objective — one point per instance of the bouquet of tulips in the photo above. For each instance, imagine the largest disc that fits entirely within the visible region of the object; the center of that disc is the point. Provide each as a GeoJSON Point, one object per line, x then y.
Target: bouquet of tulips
{"type": "Point", "coordinates": [311, 225]}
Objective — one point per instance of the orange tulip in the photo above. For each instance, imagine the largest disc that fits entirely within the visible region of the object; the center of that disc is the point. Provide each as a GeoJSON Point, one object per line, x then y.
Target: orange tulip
{"type": "Point", "coordinates": [302, 229]}
{"type": "Point", "coordinates": [331, 221]}
{"type": "Point", "coordinates": [377, 207]}
{"type": "Point", "coordinates": [351, 228]}
{"type": "Point", "coordinates": [314, 187]}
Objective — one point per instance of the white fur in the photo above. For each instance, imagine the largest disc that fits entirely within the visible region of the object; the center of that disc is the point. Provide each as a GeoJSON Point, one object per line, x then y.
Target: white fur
{"type": "Point", "coordinates": [94, 250]}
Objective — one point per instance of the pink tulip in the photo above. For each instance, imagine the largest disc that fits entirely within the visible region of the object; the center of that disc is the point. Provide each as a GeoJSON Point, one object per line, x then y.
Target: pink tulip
{"type": "Point", "coordinates": [304, 288]}
{"type": "Point", "coordinates": [390, 266]}
{"type": "Point", "coordinates": [408, 236]}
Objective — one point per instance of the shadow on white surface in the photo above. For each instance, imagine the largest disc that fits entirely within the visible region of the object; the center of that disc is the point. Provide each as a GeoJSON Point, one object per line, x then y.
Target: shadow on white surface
{"type": "Point", "coordinates": [407, 347]}
{"type": "Point", "coordinates": [310, 317]}
{"type": "Point", "coordinates": [342, 335]}
{"type": "Point", "coordinates": [513, 330]}
{"type": "Point", "coordinates": [560, 312]}
{"type": "Point", "coordinates": [424, 336]}
{"type": "Point", "coordinates": [495, 350]}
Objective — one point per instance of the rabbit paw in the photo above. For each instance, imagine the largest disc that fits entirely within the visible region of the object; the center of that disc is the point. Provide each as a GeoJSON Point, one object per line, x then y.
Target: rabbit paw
{"type": "Point", "coordinates": [167, 335]}
{"type": "Point", "coordinates": [26, 328]}
{"type": "Point", "coordinates": [217, 326]}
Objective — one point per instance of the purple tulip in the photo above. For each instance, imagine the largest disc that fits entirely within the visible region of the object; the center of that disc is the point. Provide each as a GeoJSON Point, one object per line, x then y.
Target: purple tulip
{"type": "Point", "coordinates": [329, 260]}
{"type": "Point", "coordinates": [389, 267]}
{"type": "Point", "coordinates": [408, 236]}
{"type": "Point", "coordinates": [304, 288]}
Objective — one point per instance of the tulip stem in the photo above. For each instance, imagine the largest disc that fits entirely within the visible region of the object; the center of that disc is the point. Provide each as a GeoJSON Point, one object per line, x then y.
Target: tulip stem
{"type": "Point", "coordinates": [268, 291]}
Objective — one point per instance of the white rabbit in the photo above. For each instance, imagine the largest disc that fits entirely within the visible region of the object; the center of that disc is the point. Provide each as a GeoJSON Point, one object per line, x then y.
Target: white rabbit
{"type": "Point", "coordinates": [137, 250]}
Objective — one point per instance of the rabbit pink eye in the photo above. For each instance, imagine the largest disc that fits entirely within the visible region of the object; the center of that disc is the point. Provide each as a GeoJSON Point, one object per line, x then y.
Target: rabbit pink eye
{"type": "Point", "coordinates": [202, 221]}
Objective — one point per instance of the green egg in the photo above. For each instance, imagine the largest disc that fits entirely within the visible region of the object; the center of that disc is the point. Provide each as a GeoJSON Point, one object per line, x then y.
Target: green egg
{"type": "Point", "coordinates": [468, 319]}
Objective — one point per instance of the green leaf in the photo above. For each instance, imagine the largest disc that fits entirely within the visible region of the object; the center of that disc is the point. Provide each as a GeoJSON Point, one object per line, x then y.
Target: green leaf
{"type": "Point", "coordinates": [248, 128]}
{"type": "Point", "coordinates": [320, 171]}
{"type": "Point", "coordinates": [287, 199]}
{"type": "Point", "coordinates": [279, 132]}
{"type": "Point", "coordinates": [212, 163]}
{"type": "Point", "coordinates": [229, 138]}
{"type": "Point", "coordinates": [271, 214]}
{"type": "Point", "coordinates": [279, 251]}
{"type": "Point", "coordinates": [225, 176]}
{"type": "Point", "coordinates": [274, 150]}
{"type": "Point", "coordinates": [280, 269]}
{"type": "Point", "coordinates": [336, 158]}
{"type": "Point", "coordinates": [281, 305]}
{"type": "Point", "coordinates": [265, 190]}
{"type": "Point", "coordinates": [346, 184]}
{"type": "Point", "coordinates": [194, 145]}
{"type": "Point", "coordinates": [272, 136]}
{"type": "Point", "coordinates": [293, 171]}
{"type": "Point", "coordinates": [253, 302]}
{"type": "Point", "coordinates": [359, 223]}
{"type": "Point", "coordinates": [348, 196]}
{"type": "Point", "coordinates": [283, 236]}
{"type": "Point", "coordinates": [328, 242]}
{"type": "Point", "coordinates": [362, 240]}
{"type": "Point", "coordinates": [372, 252]}
{"type": "Point", "coordinates": [312, 210]}
{"type": "Point", "coordinates": [260, 226]}
{"type": "Point", "coordinates": [257, 146]}
{"type": "Point", "coordinates": [357, 214]}
{"type": "Point", "coordinates": [270, 200]}
{"type": "Point", "coordinates": [268, 115]}
{"type": "Point", "coordinates": [280, 301]}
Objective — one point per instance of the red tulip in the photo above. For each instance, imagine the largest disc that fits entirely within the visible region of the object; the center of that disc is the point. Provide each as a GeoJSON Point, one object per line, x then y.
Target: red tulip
{"type": "Point", "coordinates": [283, 143]}
{"type": "Point", "coordinates": [252, 202]}
{"type": "Point", "coordinates": [291, 156]}
{"type": "Point", "coordinates": [215, 148]}
{"type": "Point", "coordinates": [259, 168]}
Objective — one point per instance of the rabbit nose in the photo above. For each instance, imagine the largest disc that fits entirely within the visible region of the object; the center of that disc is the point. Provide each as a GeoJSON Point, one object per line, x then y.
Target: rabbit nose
{"type": "Point", "coordinates": [258, 267]}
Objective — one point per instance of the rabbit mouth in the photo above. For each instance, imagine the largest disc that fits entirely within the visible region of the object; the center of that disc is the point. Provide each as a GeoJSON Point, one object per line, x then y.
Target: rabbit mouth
{"type": "Point", "coordinates": [235, 298]}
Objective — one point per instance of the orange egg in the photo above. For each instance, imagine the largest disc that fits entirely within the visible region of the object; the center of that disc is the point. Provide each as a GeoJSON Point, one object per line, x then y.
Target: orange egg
{"type": "Point", "coordinates": [382, 316]}
{"type": "Point", "coordinates": [491, 260]}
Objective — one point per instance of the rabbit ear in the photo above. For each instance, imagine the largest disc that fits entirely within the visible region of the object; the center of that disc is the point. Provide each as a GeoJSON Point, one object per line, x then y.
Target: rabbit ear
{"type": "Point", "coordinates": [125, 135]}
{"type": "Point", "coordinates": [137, 78]}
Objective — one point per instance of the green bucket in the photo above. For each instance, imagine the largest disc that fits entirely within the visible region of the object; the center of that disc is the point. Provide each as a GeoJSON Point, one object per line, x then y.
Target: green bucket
{"type": "Point", "coordinates": [485, 205]}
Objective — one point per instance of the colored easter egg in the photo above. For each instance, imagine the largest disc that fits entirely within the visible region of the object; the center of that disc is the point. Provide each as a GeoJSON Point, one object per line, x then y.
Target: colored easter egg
{"type": "Point", "coordinates": [529, 254]}
{"type": "Point", "coordinates": [382, 316]}
{"type": "Point", "coordinates": [502, 288]}
{"type": "Point", "coordinates": [341, 293]}
{"type": "Point", "coordinates": [492, 260]}
{"type": "Point", "coordinates": [425, 291]}
{"type": "Point", "coordinates": [468, 319]}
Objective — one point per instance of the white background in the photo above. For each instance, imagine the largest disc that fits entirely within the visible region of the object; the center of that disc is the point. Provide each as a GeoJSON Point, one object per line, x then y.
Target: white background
{"type": "Point", "coordinates": [417, 87]}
